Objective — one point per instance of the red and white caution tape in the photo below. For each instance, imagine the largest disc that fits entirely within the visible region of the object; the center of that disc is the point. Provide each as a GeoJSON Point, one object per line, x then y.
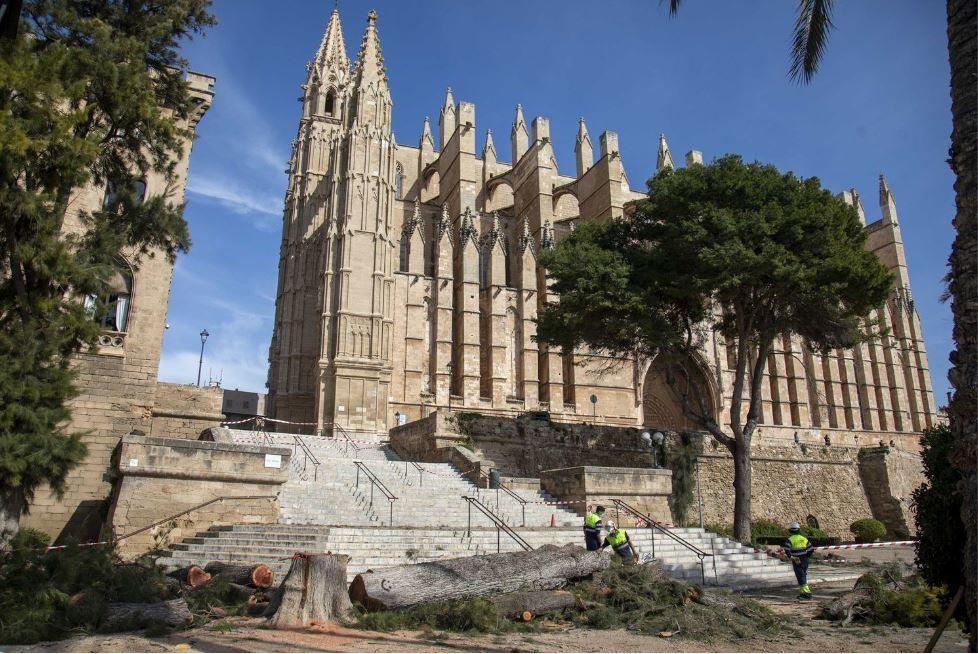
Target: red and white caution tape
{"type": "Point", "coordinates": [859, 546]}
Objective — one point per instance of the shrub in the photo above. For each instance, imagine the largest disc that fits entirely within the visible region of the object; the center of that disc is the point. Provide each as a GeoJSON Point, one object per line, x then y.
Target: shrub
{"type": "Point", "coordinates": [867, 530]}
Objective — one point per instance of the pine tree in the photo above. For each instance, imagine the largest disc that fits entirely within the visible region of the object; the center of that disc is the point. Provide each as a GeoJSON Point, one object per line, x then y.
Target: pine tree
{"type": "Point", "coordinates": [91, 92]}
{"type": "Point", "coordinates": [742, 249]}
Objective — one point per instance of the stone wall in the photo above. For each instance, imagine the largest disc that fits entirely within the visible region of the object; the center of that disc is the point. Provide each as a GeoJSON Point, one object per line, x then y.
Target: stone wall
{"type": "Point", "coordinates": [185, 410]}
{"type": "Point", "coordinates": [890, 477]}
{"type": "Point", "coordinates": [647, 490]}
{"type": "Point", "coordinates": [161, 477]}
{"type": "Point", "coordinates": [788, 483]}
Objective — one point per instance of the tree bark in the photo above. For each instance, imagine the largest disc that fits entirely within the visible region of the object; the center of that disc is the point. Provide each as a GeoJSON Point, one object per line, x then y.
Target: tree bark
{"type": "Point", "coordinates": [126, 616]}
{"type": "Point", "coordinates": [546, 568]}
{"type": "Point", "coordinates": [314, 590]}
{"type": "Point", "coordinates": [11, 506]}
{"type": "Point", "coordinates": [742, 490]}
{"type": "Point", "coordinates": [962, 15]}
{"type": "Point", "coordinates": [535, 602]}
{"type": "Point", "coordinates": [259, 576]}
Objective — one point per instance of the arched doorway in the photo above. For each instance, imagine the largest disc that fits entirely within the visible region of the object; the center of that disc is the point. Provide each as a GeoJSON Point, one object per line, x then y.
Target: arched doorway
{"type": "Point", "coordinates": [662, 402]}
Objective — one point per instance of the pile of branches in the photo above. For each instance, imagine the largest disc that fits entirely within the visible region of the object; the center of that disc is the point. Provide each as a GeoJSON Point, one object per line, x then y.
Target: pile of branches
{"type": "Point", "coordinates": [887, 596]}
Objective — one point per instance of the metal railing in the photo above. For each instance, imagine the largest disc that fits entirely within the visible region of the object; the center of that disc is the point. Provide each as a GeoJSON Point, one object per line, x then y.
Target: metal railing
{"type": "Point", "coordinates": [509, 491]}
{"type": "Point", "coordinates": [497, 521]}
{"type": "Point", "coordinates": [214, 500]}
{"type": "Point", "coordinates": [421, 471]}
{"type": "Point", "coordinates": [349, 441]}
{"type": "Point", "coordinates": [307, 456]}
{"type": "Point", "coordinates": [375, 481]}
{"type": "Point", "coordinates": [653, 524]}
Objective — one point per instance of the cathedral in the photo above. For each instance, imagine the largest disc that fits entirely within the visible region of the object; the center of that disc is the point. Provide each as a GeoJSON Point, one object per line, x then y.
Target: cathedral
{"type": "Point", "coordinates": [409, 281]}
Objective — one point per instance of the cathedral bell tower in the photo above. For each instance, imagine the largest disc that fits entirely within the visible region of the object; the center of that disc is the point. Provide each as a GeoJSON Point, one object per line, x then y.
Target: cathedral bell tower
{"type": "Point", "coordinates": [335, 270]}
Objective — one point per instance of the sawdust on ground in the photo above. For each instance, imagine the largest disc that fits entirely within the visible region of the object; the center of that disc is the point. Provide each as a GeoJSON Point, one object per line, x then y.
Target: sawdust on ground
{"type": "Point", "coordinates": [248, 635]}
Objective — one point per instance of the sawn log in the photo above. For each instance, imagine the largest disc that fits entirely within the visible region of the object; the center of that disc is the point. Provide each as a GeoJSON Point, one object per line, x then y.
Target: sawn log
{"type": "Point", "coordinates": [314, 590]}
{"type": "Point", "coordinates": [536, 602]}
{"type": "Point", "coordinates": [547, 568]}
{"type": "Point", "coordinates": [259, 576]}
{"type": "Point", "coordinates": [191, 575]}
{"type": "Point", "coordinates": [125, 616]}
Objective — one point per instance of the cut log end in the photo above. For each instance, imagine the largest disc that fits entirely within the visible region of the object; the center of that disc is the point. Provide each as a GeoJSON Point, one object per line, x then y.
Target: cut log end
{"type": "Point", "coordinates": [313, 591]}
{"type": "Point", "coordinates": [258, 576]}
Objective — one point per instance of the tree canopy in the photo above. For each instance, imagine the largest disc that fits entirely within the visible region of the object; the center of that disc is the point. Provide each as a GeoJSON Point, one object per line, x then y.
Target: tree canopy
{"type": "Point", "coordinates": [733, 247]}
{"type": "Point", "coordinates": [91, 92]}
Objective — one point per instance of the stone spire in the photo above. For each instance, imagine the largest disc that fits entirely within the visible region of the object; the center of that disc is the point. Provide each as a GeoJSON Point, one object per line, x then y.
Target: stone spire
{"type": "Point", "coordinates": [448, 119]}
{"type": "Point", "coordinates": [331, 57]}
{"type": "Point", "coordinates": [664, 159]}
{"type": "Point", "coordinates": [547, 240]}
{"type": "Point", "coordinates": [445, 223]}
{"type": "Point", "coordinates": [467, 227]}
{"type": "Point", "coordinates": [583, 150]}
{"type": "Point", "coordinates": [851, 197]}
{"type": "Point", "coordinates": [489, 149]}
{"type": "Point", "coordinates": [526, 235]}
{"type": "Point", "coordinates": [426, 137]}
{"type": "Point", "coordinates": [371, 97]}
{"type": "Point", "coordinates": [519, 137]}
{"type": "Point", "coordinates": [887, 203]}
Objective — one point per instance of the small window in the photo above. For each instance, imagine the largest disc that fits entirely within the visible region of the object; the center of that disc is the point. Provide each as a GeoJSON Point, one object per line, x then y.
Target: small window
{"type": "Point", "coordinates": [111, 310]}
{"type": "Point", "coordinates": [329, 102]}
{"type": "Point", "coordinates": [484, 268]}
{"type": "Point", "coordinates": [113, 201]}
{"type": "Point", "coordinates": [405, 254]}
{"type": "Point", "coordinates": [432, 266]}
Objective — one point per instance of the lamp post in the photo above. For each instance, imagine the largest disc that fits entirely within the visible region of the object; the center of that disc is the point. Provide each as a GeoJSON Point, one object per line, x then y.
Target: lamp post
{"type": "Point", "coordinates": [200, 363]}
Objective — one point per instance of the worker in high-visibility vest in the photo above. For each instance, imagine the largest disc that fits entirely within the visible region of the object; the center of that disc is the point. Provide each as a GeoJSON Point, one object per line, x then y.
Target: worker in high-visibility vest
{"type": "Point", "coordinates": [799, 550]}
{"type": "Point", "coordinates": [620, 542]}
{"type": "Point", "coordinates": [592, 528]}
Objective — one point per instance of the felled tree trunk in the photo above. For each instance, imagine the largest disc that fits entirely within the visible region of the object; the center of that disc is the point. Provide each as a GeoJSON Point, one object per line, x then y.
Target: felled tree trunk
{"type": "Point", "coordinates": [314, 590]}
{"type": "Point", "coordinates": [534, 602]}
{"type": "Point", "coordinates": [192, 576]}
{"type": "Point", "coordinates": [259, 576]}
{"type": "Point", "coordinates": [546, 568]}
{"type": "Point", "coordinates": [125, 616]}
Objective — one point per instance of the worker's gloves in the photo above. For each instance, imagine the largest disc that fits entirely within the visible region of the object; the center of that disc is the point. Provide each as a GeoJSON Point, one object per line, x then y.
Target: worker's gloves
{"type": "Point", "coordinates": [796, 560]}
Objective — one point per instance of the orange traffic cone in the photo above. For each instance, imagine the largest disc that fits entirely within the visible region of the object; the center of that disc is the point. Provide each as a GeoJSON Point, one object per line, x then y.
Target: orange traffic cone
{"type": "Point", "coordinates": [553, 522]}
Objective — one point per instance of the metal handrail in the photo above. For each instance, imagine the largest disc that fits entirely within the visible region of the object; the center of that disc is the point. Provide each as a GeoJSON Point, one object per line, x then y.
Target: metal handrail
{"type": "Point", "coordinates": [194, 508]}
{"type": "Point", "coordinates": [420, 470]}
{"type": "Point", "coordinates": [349, 441]}
{"type": "Point", "coordinates": [509, 491]}
{"type": "Point", "coordinates": [307, 455]}
{"type": "Point", "coordinates": [375, 481]}
{"type": "Point", "coordinates": [496, 520]}
{"type": "Point", "coordinates": [654, 524]}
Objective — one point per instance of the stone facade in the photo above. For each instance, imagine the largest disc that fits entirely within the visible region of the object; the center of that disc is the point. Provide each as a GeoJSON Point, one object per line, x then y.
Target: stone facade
{"type": "Point", "coordinates": [184, 410]}
{"type": "Point", "coordinates": [117, 380]}
{"type": "Point", "coordinates": [164, 477]}
{"type": "Point", "coordinates": [646, 490]}
{"type": "Point", "coordinates": [409, 282]}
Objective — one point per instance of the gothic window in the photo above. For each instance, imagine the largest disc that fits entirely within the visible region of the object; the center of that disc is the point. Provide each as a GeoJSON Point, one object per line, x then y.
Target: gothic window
{"type": "Point", "coordinates": [509, 267]}
{"type": "Point", "coordinates": [329, 102]}
{"type": "Point", "coordinates": [432, 263]}
{"type": "Point", "coordinates": [398, 182]}
{"type": "Point", "coordinates": [405, 254]}
{"type": "Point", "coordinates": [113, 201]}
{"type": "Point", "coordinates": [111, 308]}
{"type": "Point", "coordinates": [512, 352]}
{"type": "Point", "coordinates": [426, 347]}
{"type": "Point", "coordinates": [484, 268]}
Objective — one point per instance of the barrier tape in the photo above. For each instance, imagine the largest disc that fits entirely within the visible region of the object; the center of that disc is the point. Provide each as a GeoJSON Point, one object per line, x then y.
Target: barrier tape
{"type": "Point", "coordinates": [859, 546]}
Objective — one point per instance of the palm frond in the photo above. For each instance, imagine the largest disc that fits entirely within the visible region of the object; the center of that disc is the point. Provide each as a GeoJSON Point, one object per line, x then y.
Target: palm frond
{"type": "Point", "coordinates": [673, 6]}
{"type": "Point", "coordinates": [811, 35]}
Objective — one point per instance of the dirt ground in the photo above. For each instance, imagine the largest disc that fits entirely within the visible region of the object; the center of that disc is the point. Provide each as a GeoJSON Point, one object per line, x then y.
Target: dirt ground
{"type": "Point", "coordinates": [810, 634]}
{"type": "Point", "coordinates": [247, 635]}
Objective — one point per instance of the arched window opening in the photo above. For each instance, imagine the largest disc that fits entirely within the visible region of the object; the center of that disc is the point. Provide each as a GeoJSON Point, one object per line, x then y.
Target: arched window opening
{"type": "Point", "coordinates": [111, 308]}
{"type": "Point", "coordinates": [405, 254]}
{"type": "Point", "coordinates": [509, 268]}
{"type": "Point", "coordinates": [432, 263]}
{"type": "Point", "coordinates": [484, 268]}
{"type": "Point", "coordinates": [329, 102]}
{"type": "Point", "coordinates": [114, 201]}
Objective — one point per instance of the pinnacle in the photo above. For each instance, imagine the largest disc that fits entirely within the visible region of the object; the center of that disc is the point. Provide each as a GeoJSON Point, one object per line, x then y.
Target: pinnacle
{"type": "Point", "coordinates": [664, 159]}
{"type": "Point", "coordinates": [332, 49]}
{"type": "Point", "coordinates": [370, 62]}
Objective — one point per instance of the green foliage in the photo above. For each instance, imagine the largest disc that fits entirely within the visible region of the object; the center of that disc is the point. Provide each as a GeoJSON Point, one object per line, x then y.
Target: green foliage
{"type": "Point", "coordinates": [867, 530]}
{"type": "Point", "coordinates": [46, 594]}
{"type": "Point", "coordinates": [681, 460]}
{"type": "Point", "coordinates": [642, 598]}
{"type": "Point", "coordinates": [937, 503]}
{"type": "Point", "coordinates": [767, 532]}
{"type": "Point", "coordinates": [734, 248]}
{"type": "Point", "coordinates": [895, 599]}
{"type": "Point", "coordinates": [476, 615]}
{"type": "Point", "coordinates": [81, 91]}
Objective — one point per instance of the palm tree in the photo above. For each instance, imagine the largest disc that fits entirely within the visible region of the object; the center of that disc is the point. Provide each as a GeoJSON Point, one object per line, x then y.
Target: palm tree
{"type": "Point", "coordinates": [812, 26]}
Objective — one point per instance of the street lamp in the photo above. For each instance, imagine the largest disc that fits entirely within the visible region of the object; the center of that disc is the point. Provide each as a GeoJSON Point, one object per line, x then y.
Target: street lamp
{"type": "Point", "coordinates": [654, 441]}
{"type": "Point", "coordinates": [200, 364]}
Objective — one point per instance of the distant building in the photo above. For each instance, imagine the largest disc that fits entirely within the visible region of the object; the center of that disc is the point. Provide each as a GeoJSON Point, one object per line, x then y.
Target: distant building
{"type": "Point", "coordinates": [241, 405]}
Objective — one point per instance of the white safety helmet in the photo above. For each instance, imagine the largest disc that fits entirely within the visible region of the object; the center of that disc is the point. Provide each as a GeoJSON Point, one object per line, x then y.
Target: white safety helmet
{"type": "Point", "coordinates": [610, 525]}
{"type": "Point", "coordinates": [794, 527]}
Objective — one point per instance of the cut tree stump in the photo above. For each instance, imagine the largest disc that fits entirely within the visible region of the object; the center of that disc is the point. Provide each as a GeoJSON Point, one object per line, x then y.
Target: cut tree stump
{"type": "Point", "coordinates": [546, 568]}
{"type": "Point", "coordinates": [125, 616]}
{"type": "Point", "coordinates": [313, 590]}
{"type": "Point", "coordinates": [259, 576]}
{"type": "Point", "coordinates": [537, 602]}
{"type": "Point", "coordinates": [192, 576]}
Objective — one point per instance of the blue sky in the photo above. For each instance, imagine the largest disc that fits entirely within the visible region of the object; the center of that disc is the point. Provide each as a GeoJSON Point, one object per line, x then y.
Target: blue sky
{"type": "Point", "coordinates": [712, 79]}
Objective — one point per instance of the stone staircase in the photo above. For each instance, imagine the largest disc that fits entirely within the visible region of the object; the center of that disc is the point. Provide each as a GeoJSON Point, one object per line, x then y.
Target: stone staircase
{"type": "Point", "coordinates": [328, 507]}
